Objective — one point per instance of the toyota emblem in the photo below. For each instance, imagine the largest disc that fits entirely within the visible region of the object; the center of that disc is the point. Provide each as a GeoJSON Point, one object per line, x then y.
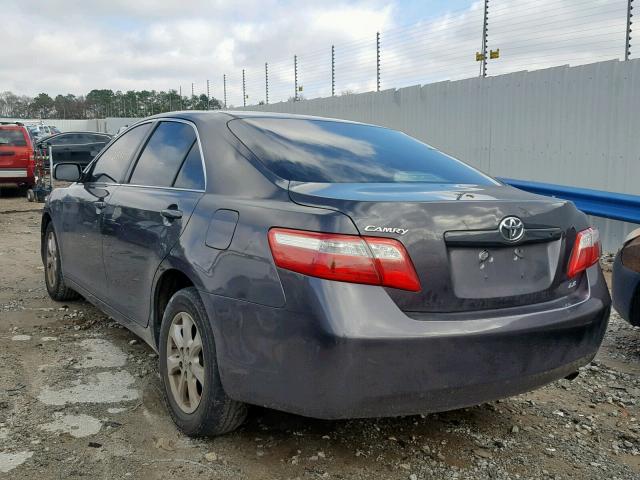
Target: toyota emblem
{"type": "Point", "coordinates": [511, 229]}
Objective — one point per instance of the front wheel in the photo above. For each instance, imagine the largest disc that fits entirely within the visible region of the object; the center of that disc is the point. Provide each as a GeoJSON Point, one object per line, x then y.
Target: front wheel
{"type": "Point", "coordinates": [189, 370]}
{"type": "Point", "coordinates": [52, 268]}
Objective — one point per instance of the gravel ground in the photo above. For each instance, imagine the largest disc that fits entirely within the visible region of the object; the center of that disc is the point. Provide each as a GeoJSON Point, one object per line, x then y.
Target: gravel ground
{"type": "Point", "coordinates": [80, 398]}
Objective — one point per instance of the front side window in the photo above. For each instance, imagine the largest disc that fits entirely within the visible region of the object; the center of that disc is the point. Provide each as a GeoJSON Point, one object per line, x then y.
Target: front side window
{"type": "Point", "coordinates": [340, 152]}
{"type": "Point", "coordinates": [112, 164]}
{"type": "Point", "coordinates": [164, 154]}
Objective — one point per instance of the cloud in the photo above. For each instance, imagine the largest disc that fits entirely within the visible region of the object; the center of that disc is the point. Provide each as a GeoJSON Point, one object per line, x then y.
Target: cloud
{"type": "Point", "coordinates": [74, 46]}
{"type": "Point", "coordinates": [62, 46]}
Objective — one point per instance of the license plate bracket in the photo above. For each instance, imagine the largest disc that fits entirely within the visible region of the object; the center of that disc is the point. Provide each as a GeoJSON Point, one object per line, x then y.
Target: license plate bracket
{"type": "Point", "coordinates": [504, 271]}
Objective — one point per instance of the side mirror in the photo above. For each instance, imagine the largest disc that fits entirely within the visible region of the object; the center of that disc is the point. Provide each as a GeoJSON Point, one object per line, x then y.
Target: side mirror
{"type": "Point", "coordinates": [67, 172]}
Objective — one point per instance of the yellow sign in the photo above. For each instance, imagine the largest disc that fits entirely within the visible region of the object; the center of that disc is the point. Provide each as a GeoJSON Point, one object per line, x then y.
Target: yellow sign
{"type": "Point", "coordinates": [479, 57]}
{"type": "Point", "coordinates": [494, 53]}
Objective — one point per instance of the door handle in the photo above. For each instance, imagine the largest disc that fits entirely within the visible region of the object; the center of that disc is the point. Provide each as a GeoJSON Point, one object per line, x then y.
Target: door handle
{"type": "Point", "coordinates": [171, 213]}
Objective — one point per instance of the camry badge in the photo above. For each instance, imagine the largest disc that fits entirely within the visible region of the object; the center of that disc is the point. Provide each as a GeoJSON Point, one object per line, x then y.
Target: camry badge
{"type": "Point", "coordinates": [373, 228]}
{"type": "Point", "coordinates": [511, 229]}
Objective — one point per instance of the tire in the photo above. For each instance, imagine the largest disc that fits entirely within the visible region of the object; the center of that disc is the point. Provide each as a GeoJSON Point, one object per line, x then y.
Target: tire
{"type": "Point", "coordinates": [56, 287]}
{"type": "Point", "coordinates": [208, 411]}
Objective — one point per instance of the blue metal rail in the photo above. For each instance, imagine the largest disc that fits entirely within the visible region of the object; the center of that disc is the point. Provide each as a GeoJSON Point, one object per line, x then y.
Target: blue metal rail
{"type": "Point", "coordinates": [617, 206]}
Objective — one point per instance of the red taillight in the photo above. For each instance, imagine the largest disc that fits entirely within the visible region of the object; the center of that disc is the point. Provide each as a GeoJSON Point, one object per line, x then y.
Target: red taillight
{"type": "Point", "coordinates": [586, 251]}
{"type": "Point", "coordinates": [346, 258]}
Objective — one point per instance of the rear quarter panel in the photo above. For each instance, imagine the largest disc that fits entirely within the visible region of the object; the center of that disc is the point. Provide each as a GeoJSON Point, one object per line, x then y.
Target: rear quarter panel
{"type": "Point", "coordinates": [246, 270]}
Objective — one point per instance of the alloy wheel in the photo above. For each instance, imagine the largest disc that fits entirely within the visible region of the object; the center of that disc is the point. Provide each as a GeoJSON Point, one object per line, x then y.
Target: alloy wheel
{"type": "Point", "coordinates": [185, 362]}
{"type": "Point", "coordinates": [51, 266]}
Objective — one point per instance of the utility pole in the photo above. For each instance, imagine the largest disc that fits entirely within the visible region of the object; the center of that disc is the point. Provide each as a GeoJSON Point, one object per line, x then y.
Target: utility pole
{"type": "Point", "coordinates": [485, 34]}
{"type": "Point", "coordinates": [181, 97]}
{"type": "Point", "coordinates": [192, 95]}
{"type": "Point", "coordinates": [244, 91]}
{"type": "Point", "coordinates": [333, 70]}
{"type": "Point", "coordinates": [266, 83]}
{"type": "Point", "coordinates": [208, 96]}
{"type": "Point", "coordinates": [295, 77]}
{"type": "Point", "coordinates": [377, 61]}
{"type": "Point", "coordinates": [627, 42]}
{"type": "Point", "coordinates": [224, 88]}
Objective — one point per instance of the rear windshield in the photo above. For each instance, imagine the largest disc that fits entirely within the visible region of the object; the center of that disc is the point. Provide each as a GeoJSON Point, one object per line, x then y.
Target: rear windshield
{"type": "Point", "coordinates": [12, 138]}
{"type": "Point", "coordinates": [336, 152]}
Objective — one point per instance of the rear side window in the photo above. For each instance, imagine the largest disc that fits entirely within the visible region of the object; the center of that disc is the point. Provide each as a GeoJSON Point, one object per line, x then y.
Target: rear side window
{"type": "Point", "coordinates": [92, 138]}
{"type": "Point", "coordinates": [164, 154]}
{"type": "Point", "coordinates": [65, 139]}
{"type": "Point", "coordinates": [12, 137]}
{"type": "Point", "coordinates": [191, 175]}
{"type": "Point", "coordinates": [337, 152]}
{"type": "Point", "coordinates": [112, 164]}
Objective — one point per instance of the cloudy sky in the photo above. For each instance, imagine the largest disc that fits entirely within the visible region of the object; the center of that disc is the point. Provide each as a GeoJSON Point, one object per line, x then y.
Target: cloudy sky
{"type": "Point", "coordinates": [73, 46]}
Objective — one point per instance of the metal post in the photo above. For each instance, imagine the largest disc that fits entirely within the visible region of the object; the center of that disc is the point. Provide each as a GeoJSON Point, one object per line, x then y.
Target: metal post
{"type": "Point", "coordinates": [50, 167]}
{"type": "Point", "coordinates": [208, 96]}
{"type": "Point", "coordinates": [224, 89]}
{"type": "Point", "coordinates": [266, 82]}
{"type": "Point", "coordinates": [627, 42]}
{"type": "Point", "coordinates": [377, 61]}
{"type": "Point", "coordinates": [244, 91]}
{"type": "Point", "coordinates": [485, 34]}
{"type": "Point", "coordinates": [181, 106]}
{"type": "Point", "coordinates": [295, 76]}
{"type": "Point", "coordinates": [333, 71]}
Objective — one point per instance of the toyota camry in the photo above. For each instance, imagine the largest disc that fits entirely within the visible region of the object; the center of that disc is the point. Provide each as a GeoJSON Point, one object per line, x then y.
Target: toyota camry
{"type": "Point", "coordinates": [327, 268]}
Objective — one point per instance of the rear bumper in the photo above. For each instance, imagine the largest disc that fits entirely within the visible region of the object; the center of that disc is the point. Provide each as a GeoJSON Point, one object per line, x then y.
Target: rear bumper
{"type": "Point", "coordinates": [13, 173]}
{"type": "Point", "coordinates": [354, 354]}
{"type": "Point", "coordinates": [625, 290]}
{"type": "Point", "coordinates": [16, 176]}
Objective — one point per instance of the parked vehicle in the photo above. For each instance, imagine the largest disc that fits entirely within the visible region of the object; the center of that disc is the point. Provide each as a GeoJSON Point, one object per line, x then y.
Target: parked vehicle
{"type": "Point", "coordinates": [327, 268]}
{"type": "Point", "coordinates": [16, 156]}
{"type": "Point", "coordinates": [39, 131]}
{"type": "Point", "coordinates": [626, 279]}
{"type": "Point", "coordinates": [76, 147]}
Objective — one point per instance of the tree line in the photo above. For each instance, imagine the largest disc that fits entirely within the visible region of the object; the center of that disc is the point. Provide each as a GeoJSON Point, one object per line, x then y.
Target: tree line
{"type": "Point", "coordinates": [101, 103]}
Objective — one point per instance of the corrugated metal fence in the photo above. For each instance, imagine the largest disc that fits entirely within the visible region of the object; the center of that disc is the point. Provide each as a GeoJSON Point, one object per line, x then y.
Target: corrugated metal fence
{"type": "Point", "coordinates": [574, 126]}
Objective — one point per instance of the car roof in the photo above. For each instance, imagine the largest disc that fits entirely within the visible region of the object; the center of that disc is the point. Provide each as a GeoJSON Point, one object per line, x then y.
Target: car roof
{"type": "Point", "coordinates": [48, 137]}
{"type": "Point", "coordinates": [85, 132]}
{"type": "Point", "coordinates": [204, 115]}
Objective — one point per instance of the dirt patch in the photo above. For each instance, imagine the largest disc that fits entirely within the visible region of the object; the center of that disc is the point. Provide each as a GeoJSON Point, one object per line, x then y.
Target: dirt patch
{"type": "Point", "coordinates": [77, 400]}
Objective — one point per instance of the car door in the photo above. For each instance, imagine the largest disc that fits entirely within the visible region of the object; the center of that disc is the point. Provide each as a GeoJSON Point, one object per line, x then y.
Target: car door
{"type": "Point", "coordinates": [82, 209]}
{"type": "Point", "coordinates": [145, 217]}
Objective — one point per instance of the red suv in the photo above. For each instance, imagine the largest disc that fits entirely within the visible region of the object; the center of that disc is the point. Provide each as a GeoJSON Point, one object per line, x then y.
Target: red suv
{"type": "Point", "coordinates": [16, 156]}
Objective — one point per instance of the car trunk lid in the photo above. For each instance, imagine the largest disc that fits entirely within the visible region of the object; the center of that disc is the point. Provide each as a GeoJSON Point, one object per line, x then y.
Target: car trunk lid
{"type": "Point", "coordinates": [14, 148]}
{"type": "Point", "coordinates": [451, 233]}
